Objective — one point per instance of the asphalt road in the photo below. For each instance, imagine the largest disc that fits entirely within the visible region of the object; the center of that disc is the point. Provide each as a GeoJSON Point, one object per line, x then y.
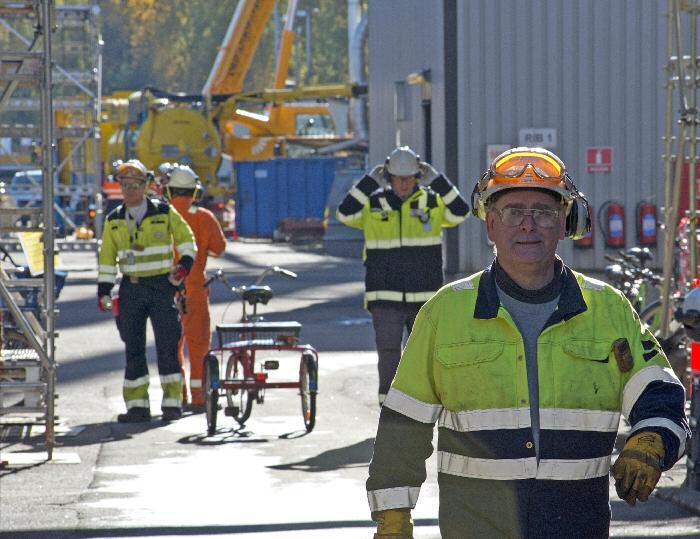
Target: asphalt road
{"type": "Point", "coordinates": [269, 479]}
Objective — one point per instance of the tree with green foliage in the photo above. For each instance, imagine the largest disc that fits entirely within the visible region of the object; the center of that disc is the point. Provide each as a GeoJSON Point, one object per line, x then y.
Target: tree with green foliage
{"type": "Point", "coordinates": [172, 45]}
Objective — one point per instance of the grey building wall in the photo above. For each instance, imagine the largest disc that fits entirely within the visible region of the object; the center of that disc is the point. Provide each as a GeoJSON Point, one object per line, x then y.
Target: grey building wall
{"type": "Point", "coordinates": [592, 70]}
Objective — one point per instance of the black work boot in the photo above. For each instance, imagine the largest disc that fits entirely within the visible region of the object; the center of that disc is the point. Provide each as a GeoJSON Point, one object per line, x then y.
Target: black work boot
{"type": "Point", "coordinates": [135, 415]}
{"type": "Point", "coordinates": [171, 413]}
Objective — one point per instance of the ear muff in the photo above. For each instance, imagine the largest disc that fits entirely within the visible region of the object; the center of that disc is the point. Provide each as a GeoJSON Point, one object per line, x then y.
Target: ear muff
{"type": "Point", "coordinates": [478, 205]}
{"type": "Point", "coordinates": [578, 220]}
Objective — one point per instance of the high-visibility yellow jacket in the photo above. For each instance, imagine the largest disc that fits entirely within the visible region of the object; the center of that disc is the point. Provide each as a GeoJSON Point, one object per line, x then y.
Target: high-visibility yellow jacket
{"type": "Point", "coordinates": [464, 368]}
{"type": "Point", "coordinates": [403, 238]}
{"type": "Point", "coordinates": [144, 250]}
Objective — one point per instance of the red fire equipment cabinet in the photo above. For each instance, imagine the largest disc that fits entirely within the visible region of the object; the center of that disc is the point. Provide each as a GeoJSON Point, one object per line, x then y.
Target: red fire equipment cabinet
{"type": "Point", "coordinates": [646, 223]}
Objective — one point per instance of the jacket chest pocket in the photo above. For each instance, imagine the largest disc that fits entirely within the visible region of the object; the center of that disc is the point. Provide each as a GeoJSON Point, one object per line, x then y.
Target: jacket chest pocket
{"type": "Point", "coordinates": [476, 375]}
{"type": "Point", "coordinates": [158, 231]}
{"type": "Point", "coordinates": [586, 376]}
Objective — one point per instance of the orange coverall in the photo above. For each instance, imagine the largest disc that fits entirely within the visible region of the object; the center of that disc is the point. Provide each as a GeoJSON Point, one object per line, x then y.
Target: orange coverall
{"type": "Point", "coordinates": [196, 324]}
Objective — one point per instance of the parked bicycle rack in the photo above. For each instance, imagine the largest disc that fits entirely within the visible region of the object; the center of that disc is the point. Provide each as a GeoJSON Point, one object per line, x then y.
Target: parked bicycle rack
{"type": "Point", "coordinates": [27, 373]}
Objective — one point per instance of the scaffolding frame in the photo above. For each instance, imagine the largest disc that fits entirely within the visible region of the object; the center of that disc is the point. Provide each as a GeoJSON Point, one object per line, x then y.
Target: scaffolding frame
{"type": "Point", "coordinates": [32, 68]}
{"type": "Point", "coordinates": [76, 94]}
{"type": "Point", "coordinates": [682, 84]}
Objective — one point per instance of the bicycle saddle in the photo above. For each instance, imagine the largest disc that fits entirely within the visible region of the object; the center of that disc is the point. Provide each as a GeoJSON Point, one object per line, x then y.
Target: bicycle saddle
{"type": "Point", "coordinates": [641, 254]}
{"type": "Point", "coordinates": [257, 294]}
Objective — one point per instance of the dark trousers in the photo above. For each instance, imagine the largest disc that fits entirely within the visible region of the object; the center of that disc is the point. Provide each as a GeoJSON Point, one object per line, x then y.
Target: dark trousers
{"type": "Point", "coordinates": [152, 298]}
{"type": "Point", "coordinates": [389, 324]}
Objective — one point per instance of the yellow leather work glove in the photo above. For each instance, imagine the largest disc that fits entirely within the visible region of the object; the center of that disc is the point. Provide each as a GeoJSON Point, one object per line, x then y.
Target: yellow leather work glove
{"type": "Point", "coordinates": [638, 468]}
{"type": "Point", "coordinates": [394, 524]}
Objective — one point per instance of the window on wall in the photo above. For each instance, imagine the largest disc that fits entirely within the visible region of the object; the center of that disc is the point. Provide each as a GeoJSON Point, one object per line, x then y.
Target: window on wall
{"type": "Point", "coordinates": [402, 107]}
{"type": "Point", "coordinates": [314, 125]}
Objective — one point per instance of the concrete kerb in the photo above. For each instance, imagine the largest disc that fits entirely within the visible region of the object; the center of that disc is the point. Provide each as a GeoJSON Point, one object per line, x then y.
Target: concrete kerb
{"type": "Point", "coordinates": [672, 487]}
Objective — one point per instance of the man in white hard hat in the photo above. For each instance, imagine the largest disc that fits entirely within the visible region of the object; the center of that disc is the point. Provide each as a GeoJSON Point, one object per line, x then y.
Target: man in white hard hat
{"type": "Point", "coordinates": [139, 240]}
{"type": "Point", "coordinates": [182, 189]}
{"type": "Point", "coordinates": [526, 367]}
{"type": "Point", "coordinates": [402, 206]}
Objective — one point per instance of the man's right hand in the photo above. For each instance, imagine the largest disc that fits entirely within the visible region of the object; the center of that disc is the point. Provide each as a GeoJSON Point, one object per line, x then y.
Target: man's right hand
{"type": "Point", "coordinates": [394, 524]}
{"type": "Point", "coordinates": [377, 174]}
{"type": "Point", "coordinates": [104, 303]}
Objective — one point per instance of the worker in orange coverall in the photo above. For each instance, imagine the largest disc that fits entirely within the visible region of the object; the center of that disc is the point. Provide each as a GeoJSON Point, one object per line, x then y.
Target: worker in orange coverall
{"type": "Point", "coordinates": [182, 189]}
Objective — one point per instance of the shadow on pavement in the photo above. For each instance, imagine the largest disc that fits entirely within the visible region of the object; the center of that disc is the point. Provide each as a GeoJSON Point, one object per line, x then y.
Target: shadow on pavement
{"type": "Point", "coordinates": [355, 455]}
{"type": "Point", "coordinates": [184, 531]}
{"type": "Point", "coordinates": [91, 434]}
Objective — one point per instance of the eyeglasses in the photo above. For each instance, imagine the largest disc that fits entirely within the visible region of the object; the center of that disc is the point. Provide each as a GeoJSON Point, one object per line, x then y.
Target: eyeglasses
{"type": "Point", "coordinates": [514, 166]}
{"type": "Point", "coordinates": [515, 216]}
{"type": "Point", "coordinates": [133, 185]}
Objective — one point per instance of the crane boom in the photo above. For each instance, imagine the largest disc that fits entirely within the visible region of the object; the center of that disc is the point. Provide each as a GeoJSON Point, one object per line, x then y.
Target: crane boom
{"type": "Point", "coordinates": [238, 47]}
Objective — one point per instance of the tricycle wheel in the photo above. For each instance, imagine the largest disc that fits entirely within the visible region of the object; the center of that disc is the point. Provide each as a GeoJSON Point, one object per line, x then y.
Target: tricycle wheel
{"type": "Point", "coordinates": [211, 392]}
{"type": "Point", "coordinates": [308, 387]}
{"type": "Point", "coordinates": [239, 402]}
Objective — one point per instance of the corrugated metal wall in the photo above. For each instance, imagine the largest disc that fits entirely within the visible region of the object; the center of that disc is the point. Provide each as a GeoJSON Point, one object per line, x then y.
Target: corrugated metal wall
{"type": "Point", "coordinates": [592, 70]}
{"type": "Point", "coordinates": [404, 37]}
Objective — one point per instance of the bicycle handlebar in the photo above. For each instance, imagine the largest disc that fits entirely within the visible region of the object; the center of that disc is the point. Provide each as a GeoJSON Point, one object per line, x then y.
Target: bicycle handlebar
{"type": "Point", "coordinates": [219, 275]}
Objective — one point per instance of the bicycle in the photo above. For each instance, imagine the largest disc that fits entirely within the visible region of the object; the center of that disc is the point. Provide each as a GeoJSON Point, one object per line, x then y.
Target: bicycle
{"type": "Point", "coordinates": [629, 274]}
{"type": "Point", "coordinates": [246, 376]}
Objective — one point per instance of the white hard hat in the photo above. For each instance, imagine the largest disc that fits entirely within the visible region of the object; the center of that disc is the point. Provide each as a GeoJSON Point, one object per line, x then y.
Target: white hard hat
{"type": "Point", "coordinates": [183, 177]}
{"type": "Point", "coordinates": [403, 161]}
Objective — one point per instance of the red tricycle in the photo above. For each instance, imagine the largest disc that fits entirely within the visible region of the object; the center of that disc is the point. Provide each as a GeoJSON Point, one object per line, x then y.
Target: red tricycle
{"type": "Point", "coordinates": [243, 354]}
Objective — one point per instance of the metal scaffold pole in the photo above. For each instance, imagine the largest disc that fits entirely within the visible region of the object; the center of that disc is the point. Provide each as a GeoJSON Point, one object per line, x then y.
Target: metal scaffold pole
{"type": "Point", "coordinates": [48, 147]}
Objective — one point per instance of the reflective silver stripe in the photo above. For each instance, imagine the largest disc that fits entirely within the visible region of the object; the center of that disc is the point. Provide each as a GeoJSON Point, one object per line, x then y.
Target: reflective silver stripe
{"type": "Point", "coordinates": [419, 296]}
{"type": "Point", "coordinates": [497, 469]}
{"type": "Point", "coordinates": [573, 470]}
{"type": "Point", "coordinates": [347, 218]}
{"type": "Point", "coordinates": [146, 266]}
{"type": "Point", "coordinates": [187, 249]}
{"type": "Point", "coordinates": [496, 419]}
{"type": "Point", "coordinates": [170, 378]}
{"type": "Point", "coordinates": [526, 468]}
{"type": "Point", "coordinates": [636, 385]}
{"type": "Point", "coordinates": [194, 383]}
{"type": "Point", "coordinates": [667, 424]}
{"type": "Point", "coordinates": [152, 250]}
{"type": "Point", "coordinates": [171, 403]}
{"type": "Point", "coordinates": [404, 242]}
{"type": "Point", "coordinates": [420, 242]}
{"type": "Point", "coordinates": [391, 498]}
{"type": "Point", "coordinates": [385, 295]}
{"type": "Point", "coordinates": [105, 269]}
{"type": "Point", "coordinates": [106, 278]}
{"type": "Point", "coordinates": [137, 403]}
{"type": "Point", "coordinates": [383, 244]}
{"type": "Point", "coordinates": [384, 204]}
{"type": "Point", "coordinates": [450, 195]}
{"type": "Point", "coordinates": [382, 398]}
{"type": "Point", "coordinates": [452, 218]}
{"type": "Point", "coordinates": [359, 195]}
{"type": "Point", "coordinates": [580, 420]}
{"type": "Point", "coordinates": [519, 418]}
{"type": "Point", "coordinates": [411, 407]}
{"type": "Point", "coordinates": [136, 383]}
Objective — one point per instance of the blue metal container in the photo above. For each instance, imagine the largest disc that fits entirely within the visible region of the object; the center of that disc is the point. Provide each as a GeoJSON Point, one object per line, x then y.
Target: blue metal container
{"type": "Point", "coordinates": [268, 191]}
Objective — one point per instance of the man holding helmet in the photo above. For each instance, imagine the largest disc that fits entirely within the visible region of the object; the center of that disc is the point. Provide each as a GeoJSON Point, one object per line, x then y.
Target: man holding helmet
{"type": "Point", "coordinates": [182, 189]}
{"type": "Point", "coordinates": [138, 240]}
{"type": "Point", "coordinates": [402, 207]}
{"type": "Point", "coordinates": [527, 365]}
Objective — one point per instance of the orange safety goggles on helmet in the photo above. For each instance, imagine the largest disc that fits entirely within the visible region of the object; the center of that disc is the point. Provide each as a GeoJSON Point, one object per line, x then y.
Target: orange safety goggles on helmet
{"type": "Point", "coordinates": [527, 166]}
